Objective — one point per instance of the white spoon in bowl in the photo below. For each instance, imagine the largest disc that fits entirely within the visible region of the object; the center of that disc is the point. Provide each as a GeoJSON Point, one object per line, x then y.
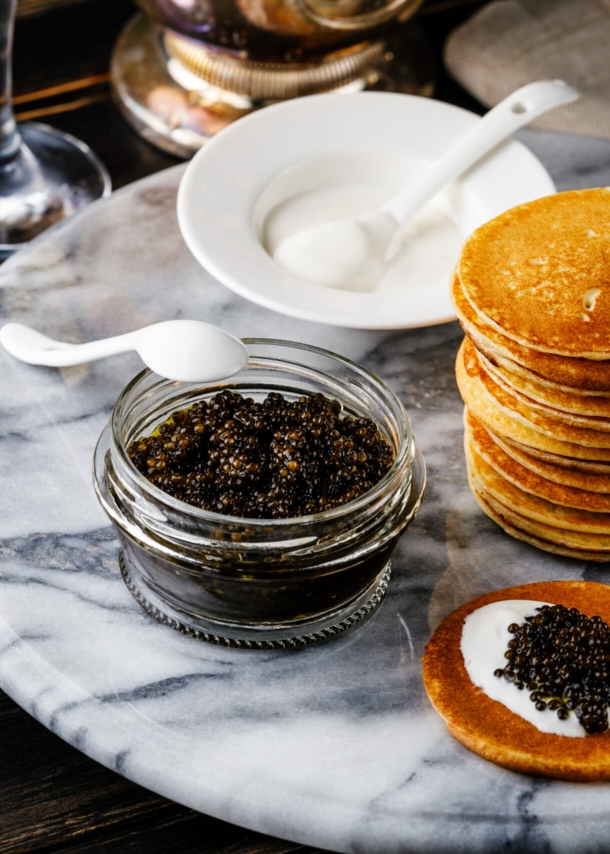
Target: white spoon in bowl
{"type": "Point", "coordinates": [184, 350]}
{"type": "Point", "coordinates": [352, 253]}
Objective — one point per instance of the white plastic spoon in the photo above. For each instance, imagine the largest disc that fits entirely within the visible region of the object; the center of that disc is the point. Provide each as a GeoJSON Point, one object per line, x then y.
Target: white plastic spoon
{"type": "Point", "coordinates": [352, 253]}
{"type": "Point", "coordinates": [184, 350]}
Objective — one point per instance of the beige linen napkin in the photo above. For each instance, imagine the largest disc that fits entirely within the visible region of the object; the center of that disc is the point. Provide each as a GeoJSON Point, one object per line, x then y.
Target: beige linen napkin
{"type": "Point", "coordinates": [512, 42]}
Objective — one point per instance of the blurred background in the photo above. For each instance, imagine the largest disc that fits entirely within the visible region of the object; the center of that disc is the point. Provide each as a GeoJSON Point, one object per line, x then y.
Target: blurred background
{"type": "Point", "coordinates": [61, 73]}
{"type": "Point", "coordinates": [53, 798]}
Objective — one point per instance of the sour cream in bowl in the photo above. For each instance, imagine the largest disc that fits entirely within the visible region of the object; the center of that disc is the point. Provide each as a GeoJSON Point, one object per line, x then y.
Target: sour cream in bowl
{"type": "Point", "coordinates": [315, 159]}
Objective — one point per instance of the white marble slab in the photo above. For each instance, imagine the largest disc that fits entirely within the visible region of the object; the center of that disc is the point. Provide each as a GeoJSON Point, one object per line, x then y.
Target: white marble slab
{"type": "Point", "coordinates": [336, 745]}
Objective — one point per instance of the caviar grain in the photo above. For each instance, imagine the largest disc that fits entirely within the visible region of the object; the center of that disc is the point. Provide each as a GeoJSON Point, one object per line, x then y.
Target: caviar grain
{"type": "Point", "coordinates": [562, 657]}
{"type": "Point", "coordinates": [276, 458]}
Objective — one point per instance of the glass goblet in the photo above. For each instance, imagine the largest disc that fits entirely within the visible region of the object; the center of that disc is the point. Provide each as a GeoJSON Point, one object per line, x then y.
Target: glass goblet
{"type": "Point", "coordinates": [45, 175]}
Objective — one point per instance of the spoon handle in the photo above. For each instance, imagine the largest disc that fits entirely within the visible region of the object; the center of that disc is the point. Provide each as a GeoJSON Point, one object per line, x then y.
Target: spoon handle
{"type": "Point", "coordinates": [514, 112]}
{"type": "Point", "coordinates": [28, 345]}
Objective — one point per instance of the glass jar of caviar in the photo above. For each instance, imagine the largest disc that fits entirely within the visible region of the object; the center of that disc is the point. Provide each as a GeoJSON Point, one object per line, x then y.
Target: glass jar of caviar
{"type": "Point", "coordinates": [241, 580]}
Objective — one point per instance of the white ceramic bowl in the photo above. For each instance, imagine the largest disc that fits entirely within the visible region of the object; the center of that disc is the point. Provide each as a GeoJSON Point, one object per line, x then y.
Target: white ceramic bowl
{"type": "Point", "coordinates": [241, 174]}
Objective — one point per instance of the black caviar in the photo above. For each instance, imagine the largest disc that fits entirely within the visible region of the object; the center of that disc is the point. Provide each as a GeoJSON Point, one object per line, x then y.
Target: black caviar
{"type": "Point", "coordinates": [563, 658]}
{"type": "Point", "coordinates": [272, 459]}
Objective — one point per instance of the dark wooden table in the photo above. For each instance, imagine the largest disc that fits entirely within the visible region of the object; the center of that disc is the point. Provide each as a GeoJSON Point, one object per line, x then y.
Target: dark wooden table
{"type": "Point", "coordinates": [53, 798]}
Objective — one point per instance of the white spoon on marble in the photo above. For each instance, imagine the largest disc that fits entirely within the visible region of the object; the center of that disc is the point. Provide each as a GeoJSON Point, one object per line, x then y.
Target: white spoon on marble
{"type": "Point", "coordinates": [353, 253]}
{"type": "Point", "coordinates": [183, 350]}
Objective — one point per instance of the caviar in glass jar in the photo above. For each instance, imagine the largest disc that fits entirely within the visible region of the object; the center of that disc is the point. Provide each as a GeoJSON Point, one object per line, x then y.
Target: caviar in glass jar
{"type": "Point", "coordinates": [562, 658]}
{"type": "Point", "coordinates": [277, 458]}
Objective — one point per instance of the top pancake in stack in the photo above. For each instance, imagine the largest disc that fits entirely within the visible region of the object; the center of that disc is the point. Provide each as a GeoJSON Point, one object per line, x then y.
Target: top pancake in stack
{"type": "Point", "coordinates": [532, 292]}
{"type": "Point", "coordinates": [538, 274]}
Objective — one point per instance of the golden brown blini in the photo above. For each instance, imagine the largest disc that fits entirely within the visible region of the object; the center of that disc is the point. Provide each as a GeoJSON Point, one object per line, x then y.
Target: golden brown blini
{"type": "Point", "coordinates": [580, 376]}
{"type": "Point", "coordinates": [499, 514]}
{"type": "Point", "coordinates": [554, 397]}
{"type": "Point", "coordinates": [501, 413]}
{"type": "Point", "coordinates": [538, 273]}
{"type": "Point", "coordinates": [519, 407]}
{"type": "Point", "coordinates": [525, 479]}
{"type": "Point", "coordinates": [486, 726]}
{"type": "Point", "coordinates": [571, 463]}
{"type": "Point", "coordinates": [580, 474]}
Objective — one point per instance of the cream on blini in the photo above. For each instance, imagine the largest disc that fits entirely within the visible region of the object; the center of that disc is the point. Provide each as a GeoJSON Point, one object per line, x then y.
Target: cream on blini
{"type": "Point", "coordinates": [485, 638]}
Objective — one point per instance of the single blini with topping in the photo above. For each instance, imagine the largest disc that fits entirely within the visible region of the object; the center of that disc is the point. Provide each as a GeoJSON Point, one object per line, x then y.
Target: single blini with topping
{"type": "Point", "coordinates": [522, 677]}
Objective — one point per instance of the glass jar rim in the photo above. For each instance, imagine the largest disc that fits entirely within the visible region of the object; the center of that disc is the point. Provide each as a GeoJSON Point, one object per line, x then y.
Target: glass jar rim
{"type": "Point", "coordinates": [402, 458]}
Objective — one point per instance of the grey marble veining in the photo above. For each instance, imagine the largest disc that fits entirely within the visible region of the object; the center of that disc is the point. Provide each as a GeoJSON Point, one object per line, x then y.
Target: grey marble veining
{"type": "Point", "coordinates": [336, 745]}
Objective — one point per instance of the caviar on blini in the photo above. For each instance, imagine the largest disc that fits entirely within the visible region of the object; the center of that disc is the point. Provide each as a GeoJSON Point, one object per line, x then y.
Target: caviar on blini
{"type": "Point", "coordinates": [276, 458]}
{"type": "Point", "coordinates": [562, 658]}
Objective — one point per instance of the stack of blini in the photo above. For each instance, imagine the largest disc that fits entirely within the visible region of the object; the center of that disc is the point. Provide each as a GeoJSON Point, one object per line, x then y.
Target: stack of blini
{"type": "Point", "coordinates": [532, 292]}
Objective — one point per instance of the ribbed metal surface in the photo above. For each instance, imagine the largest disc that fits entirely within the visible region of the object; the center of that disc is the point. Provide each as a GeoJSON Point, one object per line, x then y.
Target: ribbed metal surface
{"type": "Point", "coordinates": [267, 81]}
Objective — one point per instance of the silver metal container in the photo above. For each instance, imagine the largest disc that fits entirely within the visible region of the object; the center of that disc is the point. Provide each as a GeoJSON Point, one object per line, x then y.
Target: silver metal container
{"type": "Point", "coordinates": [187, 68]}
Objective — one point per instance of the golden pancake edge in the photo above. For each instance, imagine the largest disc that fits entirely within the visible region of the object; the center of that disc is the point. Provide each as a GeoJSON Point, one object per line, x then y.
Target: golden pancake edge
{"type": "Point", "coordinates": [538, 273]}
{"type": "Point", "coordinates": [486, 726]}
{"type": "Point", "coordinates": [520, 475]}
{"type": "Point", "coordinates": [579, 376]}
{"type": "Point", "coordinates": [502, 414]}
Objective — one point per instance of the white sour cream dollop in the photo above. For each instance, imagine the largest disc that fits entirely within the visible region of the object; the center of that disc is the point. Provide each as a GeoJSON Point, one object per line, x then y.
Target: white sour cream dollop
{"type": "Point", "coordinates": [430, 248]}
{"type": "Point", "coordinates": [485, 638]}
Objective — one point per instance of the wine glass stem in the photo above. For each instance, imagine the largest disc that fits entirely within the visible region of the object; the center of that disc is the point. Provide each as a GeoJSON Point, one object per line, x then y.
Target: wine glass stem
{"type": "Point", "coordinates": [9, 135]}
